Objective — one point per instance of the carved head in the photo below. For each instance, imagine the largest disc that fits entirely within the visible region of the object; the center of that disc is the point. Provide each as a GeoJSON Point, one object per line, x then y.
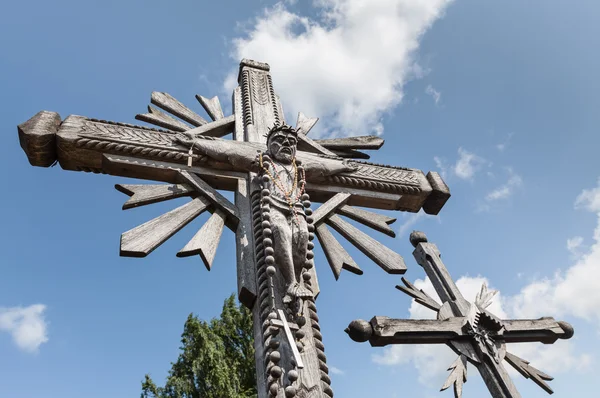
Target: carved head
{"type": "Point", "coordinates": [281, 143]}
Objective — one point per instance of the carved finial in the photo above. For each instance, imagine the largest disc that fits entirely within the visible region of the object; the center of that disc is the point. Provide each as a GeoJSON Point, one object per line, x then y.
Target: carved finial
{"type": "Point", "coordinates": [359, 330]}
{"type": "Point", "coordinates": [567, 328]}
{"type": "Point", "coordinates": [417, 237]}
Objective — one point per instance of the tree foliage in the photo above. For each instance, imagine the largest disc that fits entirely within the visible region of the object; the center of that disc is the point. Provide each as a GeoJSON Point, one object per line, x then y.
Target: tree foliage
{"type": "Point", "coordinates": [216, 359]}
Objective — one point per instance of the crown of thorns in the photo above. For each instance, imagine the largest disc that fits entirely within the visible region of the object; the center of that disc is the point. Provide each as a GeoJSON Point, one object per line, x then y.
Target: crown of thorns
{"type": "Point", "coordinates": [284, 128]}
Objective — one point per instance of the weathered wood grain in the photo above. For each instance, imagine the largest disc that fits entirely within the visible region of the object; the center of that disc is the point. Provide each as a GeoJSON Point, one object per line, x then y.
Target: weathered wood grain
{"type": "Point", "coordinates": [529, 372]}
{"type": "Point", "coordinates": [361, 142]}
{"type": "Point", "coordinates": [457, 377]}
{"type": "Point", "coordinates": [414, 331]}
{"type": "Point", "coordinates": [218, 128]}
{"type": "Point", "coordinates": [218, 200]}
{"type": "Point", "coordinates": [290, 339]}
{"type": "Point", "coordinates": [329, 207]}
{"type": "Point", "coordinates": [351, 154]}
{"type": "Point", "coordinates": [305, 124]}
{"type": "Point", "coordinates": [390, 261]}
{"type": "Point", "coordinates": [419, 295]}
{"type": "Point", "coordinates": [37, 137]}
{"type": "Point", "coordinates": [143, 239]}
{"type": "Point", "coordinates": [176, 108]}
{"type": "Point", "coordinates": [376, 221]}
{"type": "Point", "coordinates": [206, 240]}
{"type": "Point", "coordinates": [543, 330]}
{"type": "Point", "coordinates": [439, 195]}
{"type": "Point", "coordinates": [145, 194]}
{"type": "Point", "coordinates": [211, 106]}
{"type": "Point", "coordinates": [161, 119]}
{"type": "Point", "coordinates": [337, 257]}
{"type": "Point", "coordinates": [305, 143]}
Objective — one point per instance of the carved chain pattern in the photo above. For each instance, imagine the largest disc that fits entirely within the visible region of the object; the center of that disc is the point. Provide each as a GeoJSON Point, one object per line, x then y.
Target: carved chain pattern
{"type": "Point", "coordinates": [247, 103]}
{"type": "Point", "coordinates": [130, 140]}
{"type": "Point", "coordinates": [276, 115]}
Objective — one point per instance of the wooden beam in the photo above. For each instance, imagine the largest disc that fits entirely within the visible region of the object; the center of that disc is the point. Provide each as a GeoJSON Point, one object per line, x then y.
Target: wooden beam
{"type": "Point", "coordinates": [218, 200]}
{"type": "Point", "coordinates": [161, 119]}
{"type": "Point", "coordinates": [211, 106]}
{"type": "Point", "coordinates": [373, 220]}
{"type": "Point", "coordinates": [414, 331]}
{"type": "Point", "coordinates": [329, 207]}
{"type": "Point", "coordinates": [206, 240]}
{"type": "Point", "coordinates": [145, 194]}
{"type": "Point", "coordinates": [390, 261]}
{"type": "Point", "coordinates": [143, 239]}
{"type": "Point", "coordinates": [337, 257]}
{"type": "Point", "coordinates": [176, 108]}
{"type": "Point", "coordinates": [218, 128]}
{"type": "Point", "coordinates": [346, 143]}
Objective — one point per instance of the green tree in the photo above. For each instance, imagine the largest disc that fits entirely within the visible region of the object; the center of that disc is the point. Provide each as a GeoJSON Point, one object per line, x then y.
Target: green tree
{"type": "Point", "coordinates": [216, 359]}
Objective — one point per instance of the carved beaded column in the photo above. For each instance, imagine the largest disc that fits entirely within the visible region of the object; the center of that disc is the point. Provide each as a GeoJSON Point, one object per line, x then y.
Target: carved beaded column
{"type": "Point", "coordinates": [278, 372]}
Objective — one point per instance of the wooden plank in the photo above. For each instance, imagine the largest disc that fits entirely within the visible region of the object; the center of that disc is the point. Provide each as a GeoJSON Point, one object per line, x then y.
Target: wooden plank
{"type": "Point", "coordinates": [351, 154]}
{"type": "Point", "coordinates": [414, 331]}
{"type": "Point", "coordinates": [337, 257]}
{"type": "Point", "coordinates": [206, 240]}
{"type": "Point", "coordinates": [373, 220]}
{"type": "Point", "coordinates": [161, 119]}
{"type": "Point", "coordinates": [145, 194]}
{"type": "Point", "coordinates": [529, 372]}
{"type": "Point", "coordinates": [305, 124]}
{"type": "Point", "coordinates": [143, 239]}
{"type": "Point", "coordinates": [543, 330]}
{"type": "Point", "coordinates": [218, 200]}
{"type": "Point", "coordinates": [307, 144]}
{"type": "Point", "coordinates": [361, 142]}
{"type": "Point", "coordinates": [211, 106]}
{"type": "Point", "coordinates": [219, 128]}
{"type": "Point", "coordinates": [176, 108]}
{"type": "Point", "coordinates": [390, 261]}
{"type": "Point", "coordinates": [329, 207]}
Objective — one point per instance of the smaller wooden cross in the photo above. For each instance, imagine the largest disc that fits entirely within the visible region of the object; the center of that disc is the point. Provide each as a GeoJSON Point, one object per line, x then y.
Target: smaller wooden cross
{"type": "Point", "coordinates": [469, 329]}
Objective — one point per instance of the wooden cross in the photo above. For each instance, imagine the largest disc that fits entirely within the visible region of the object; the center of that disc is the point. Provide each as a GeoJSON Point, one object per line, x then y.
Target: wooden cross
{"type": "Point", "coordinates": [213, 163]}
{"type": "Point", "coordinates": [475, 334]}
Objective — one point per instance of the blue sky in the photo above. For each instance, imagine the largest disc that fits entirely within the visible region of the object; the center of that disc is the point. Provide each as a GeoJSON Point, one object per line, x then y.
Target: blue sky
{"type": "Point", "coordinates": [500, 97]}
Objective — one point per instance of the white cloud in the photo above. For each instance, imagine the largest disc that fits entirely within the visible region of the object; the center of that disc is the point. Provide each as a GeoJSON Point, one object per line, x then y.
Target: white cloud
{"type": "Point", "coordinates": [589, 199]}
{"type": "Point", "coordinates": [574, 245]}
{"type": "Point", "coordinates": [26, 325]}
{"type": "Point", "coordinates": [440, 163]}
{"type": "Point", "coordinates": [410, 221]}
{"type": "Point", "coordinates": [505, 190]}
{"type": "Point", "coordinates": [467, 164]}
{"type": "Point", "coordinates": [503, 145]}
{"type": "Point", "coordinates": [336, 371]}
{"type": "Point", "coordinates": [436, 95]}
{"type": "Point", "coordinates": [349, 65]}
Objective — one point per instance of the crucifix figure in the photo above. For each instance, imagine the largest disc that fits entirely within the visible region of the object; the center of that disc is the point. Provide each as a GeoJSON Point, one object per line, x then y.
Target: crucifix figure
{"type": "Point", "coordinates": [276, 172]}
{"type": "Point", "coordinates": [476, 335]}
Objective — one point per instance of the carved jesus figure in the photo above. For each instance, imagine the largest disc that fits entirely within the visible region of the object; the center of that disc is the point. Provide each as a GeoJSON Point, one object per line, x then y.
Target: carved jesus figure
{"type": "Point", "coordinates": [284, 176]}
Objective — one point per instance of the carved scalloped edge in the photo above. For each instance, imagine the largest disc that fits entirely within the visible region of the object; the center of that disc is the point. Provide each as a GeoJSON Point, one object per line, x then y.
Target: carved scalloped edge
{"type": "Point", "coordinates": [371, 184]}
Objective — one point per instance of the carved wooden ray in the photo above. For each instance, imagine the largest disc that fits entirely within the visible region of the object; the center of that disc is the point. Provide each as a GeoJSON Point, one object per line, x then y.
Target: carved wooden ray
{"type": "Point", "coordinates": [351, 154]}
{"type": "Point", "coordinates": [376, 221]}
{"type": "Point", "coordinates": [206, 240]}
{"type": "Point", "coordinates": [361, 142]}
{"type": "Point", "coordinates": [174, 107]}
{"type": "Point", "coordinates": [211, 106]}
{"type": "Point", "coordinates": [305, 124]}
{"type": "Point", "coordinates": [336, 255]}
{"type": "Point", "coordinates": [145, 194]}
{"type": "Point", "coordinates": [161, 119]}
{"type": "Point", "coordinates": [142, 240]}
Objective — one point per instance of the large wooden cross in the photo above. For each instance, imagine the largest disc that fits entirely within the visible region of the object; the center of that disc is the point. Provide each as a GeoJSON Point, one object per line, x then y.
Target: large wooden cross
{"type": "Point", "coordinates": [475, 334]}
{"type": "Point", "coordinates": [188, 154]}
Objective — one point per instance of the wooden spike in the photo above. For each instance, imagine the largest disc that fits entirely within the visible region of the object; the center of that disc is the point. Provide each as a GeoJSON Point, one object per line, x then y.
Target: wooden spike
{"type": "Point", "coordinates": [529, 372]}
{"type": "Point", "coordinates": [305, 124]}
{"type": "Point", "coordinates": [176, 108]}
{"type": "Point", "coordinates": [337, 256]}
{"type": "Point", "coordinates": [361, 142]}
{"type": "Point", "coordinates": [307, 144]}
{"type": "Point", "coordinates": [329, 207]}
{"type": "Point", "coordinates": [390, 261]}
{"type": "Point", "coordinates": [143, 194]}
{"type": "Point", "coordinates": [161, 119]}
{"type": "Point", "coordinates": [206, 240]}
{"type": "Point", "coordinates": [211, 106]}
{"type": "Point", "coordinates": [219, 128]}
{"type": "Point", "coordinates": [218, 200]}
{"type": "Point", "coordinates": [143, 239]}
{"type": "Point", "coordinates": [373, 220]}
{"type": "Point", "coordinates": [419, 295]}
{"type": "Point", "coordinates": [351, 154]}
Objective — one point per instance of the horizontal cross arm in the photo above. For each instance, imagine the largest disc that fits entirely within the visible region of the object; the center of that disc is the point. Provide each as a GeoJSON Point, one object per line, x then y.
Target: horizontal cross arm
{"type": "Point", "coordinates": [543, 330]}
